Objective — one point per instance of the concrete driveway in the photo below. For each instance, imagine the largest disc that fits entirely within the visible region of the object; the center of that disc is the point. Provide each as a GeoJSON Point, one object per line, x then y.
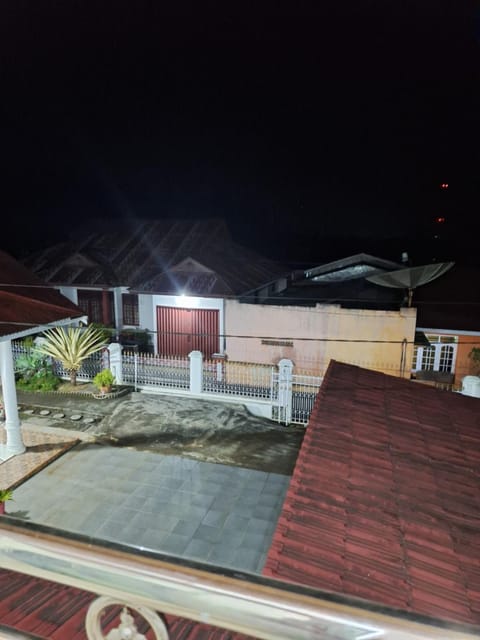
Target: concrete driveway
{"type": "Point", "coordinates": [198, 429]}
{"type": "Point", "coordinates": [218, 502]}
{"type": "Point", "coordinates": [208, 512]}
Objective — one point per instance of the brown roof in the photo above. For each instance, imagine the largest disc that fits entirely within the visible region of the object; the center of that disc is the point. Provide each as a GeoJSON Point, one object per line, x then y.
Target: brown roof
{"type": "Point", "coordinates": [26, 303]}
{"type": "Point", "coordinates": [142, 255]}
{"type": "Point", "coordinates": [384, 502]}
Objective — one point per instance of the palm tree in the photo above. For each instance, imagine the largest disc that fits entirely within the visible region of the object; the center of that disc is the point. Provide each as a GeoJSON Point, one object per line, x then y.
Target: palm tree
{"type": "Point", "coordinates": [72, 346]}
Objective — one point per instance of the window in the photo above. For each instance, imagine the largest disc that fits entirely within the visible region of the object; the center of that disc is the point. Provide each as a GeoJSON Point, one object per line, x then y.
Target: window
{"type": "Point", "coordinates": [97, 305]}
{"type": "Point", "coordinates": [439, 356]}
{"type": "Point", "coordinates": [130, 309]}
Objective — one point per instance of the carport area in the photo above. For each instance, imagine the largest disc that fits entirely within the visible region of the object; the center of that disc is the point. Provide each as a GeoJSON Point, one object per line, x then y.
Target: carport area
{"type": "Point", "coordinates": [183, 477]}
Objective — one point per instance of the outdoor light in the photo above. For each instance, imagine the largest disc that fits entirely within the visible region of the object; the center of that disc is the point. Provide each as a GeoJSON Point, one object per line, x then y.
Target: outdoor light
{"type": "Point", "coordinates": [183, 300]}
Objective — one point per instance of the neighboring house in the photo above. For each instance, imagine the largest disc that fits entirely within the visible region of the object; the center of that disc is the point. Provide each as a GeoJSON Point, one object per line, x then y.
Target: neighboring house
{"type": "Point", "coordinates": [168, 277]}
{"type": "Point", "coordinates": [448, 313]}
{"type": "Point", "coordinates": [328, 311]}
{"type": "Point", "coordinates": [191, 288]}
{"type": "Point", "coordinates": [384, 499]}
{"type": "Point", "coordinates": [27, 307]}
{"type": "Point", "coordinates": [341, 282]}
{"type": "Point", "coordinates": [311, 336]}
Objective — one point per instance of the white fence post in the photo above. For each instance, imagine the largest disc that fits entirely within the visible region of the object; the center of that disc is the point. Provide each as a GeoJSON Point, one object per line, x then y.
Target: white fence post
{"type": "Point", "coordinates": [196, 372]}
{"type": "Point", "coordinates": [285, 369]}
{"type": "Point", "coordinates": [115, 351]}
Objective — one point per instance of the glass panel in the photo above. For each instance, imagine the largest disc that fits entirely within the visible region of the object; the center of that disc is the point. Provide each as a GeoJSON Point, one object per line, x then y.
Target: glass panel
{"type": "Point", "coordinates": [414, 361]}
{"type": "Point", "coordinates": [428, 358]}
{"type": "Point", "coordinates": [446, 358]}
{"type": "Point", "coordinates": [130, 309]}
{"type": "Point", "coordinates": [448, 339]}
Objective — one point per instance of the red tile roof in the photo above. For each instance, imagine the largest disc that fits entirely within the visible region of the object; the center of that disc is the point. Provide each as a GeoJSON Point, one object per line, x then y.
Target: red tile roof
{"type": "Point", "coordinates": [26, 302]}
{"type": "Point", "coordinates": [384, 502]}
{"type": "Point", "coordinates": [52, 611]}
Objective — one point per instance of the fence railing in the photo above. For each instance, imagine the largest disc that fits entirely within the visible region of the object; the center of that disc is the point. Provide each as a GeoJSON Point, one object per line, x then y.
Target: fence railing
{"type": "Point", "coordinates": [237, 379]}
{"type": "Point", "coordinates": [145, 584]}
{"type": "Point", "coordinates": [143, 369]}
{"type": "Point", "coordinates": [304, 394]}
{"type": "Point", "coordinates": [88, 370]}
{"type": "Point", "coordinates": [291, 397]}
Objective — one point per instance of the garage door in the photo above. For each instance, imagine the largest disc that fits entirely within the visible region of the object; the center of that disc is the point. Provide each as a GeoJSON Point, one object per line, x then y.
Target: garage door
{"type": "Point", "coordinates": [183, 330]}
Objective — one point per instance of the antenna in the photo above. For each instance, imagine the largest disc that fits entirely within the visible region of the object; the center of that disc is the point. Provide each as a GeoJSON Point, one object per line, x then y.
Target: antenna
{"type": "Point", "coordinates": [411, 278]}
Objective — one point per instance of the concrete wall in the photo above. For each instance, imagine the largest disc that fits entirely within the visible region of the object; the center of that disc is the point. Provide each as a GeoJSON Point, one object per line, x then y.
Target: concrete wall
{"type": "Point", "coordinates": [310, 337]}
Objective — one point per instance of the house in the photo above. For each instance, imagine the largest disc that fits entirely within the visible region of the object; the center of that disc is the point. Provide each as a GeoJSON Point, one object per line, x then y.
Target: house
{"type": "Point", "coordinates": [341, 282]}
{"type": "Point", "coordinates": [188, 287]}
{"type": "Point", "coordinates": [384, 499]}
{"type": "Point", "coordinates": [448, 313]}
{"type": "Point", "coordinates": [168, 279]}
{"type": "Point", "coordinates": [27, 307]}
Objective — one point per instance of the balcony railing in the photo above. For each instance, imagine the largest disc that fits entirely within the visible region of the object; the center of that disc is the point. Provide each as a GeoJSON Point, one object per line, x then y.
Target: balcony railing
{"type": "Point", "coordinates": [148, 582]}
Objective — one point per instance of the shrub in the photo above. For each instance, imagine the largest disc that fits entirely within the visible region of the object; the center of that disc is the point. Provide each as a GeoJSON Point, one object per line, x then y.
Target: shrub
{"type": "Point", "coordinates": [34, 372]}
{"type": "Point", "coordinates": [104, 378]}
{"type": "Point", "coordinates": [474, 356]}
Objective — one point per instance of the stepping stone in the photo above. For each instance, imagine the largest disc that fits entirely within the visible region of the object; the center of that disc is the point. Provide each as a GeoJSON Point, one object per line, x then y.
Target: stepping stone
{"type": "Point", "coordinates": [44, 412]}
{"type": "Point", "coordinates": [75, 417]}
{"type": "Point", "coordinates": [89, 420]}
{"type": "Point", "coordinates": [58, 415]}
{"type": "Point", "coordinates": [29, 411]}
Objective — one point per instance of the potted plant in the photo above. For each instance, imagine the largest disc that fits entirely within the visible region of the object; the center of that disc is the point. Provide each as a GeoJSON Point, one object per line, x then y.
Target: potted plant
{"type": "Point", "coordinates": [5, 494]}
{"type": "Point", "coordinates": [104, 381]}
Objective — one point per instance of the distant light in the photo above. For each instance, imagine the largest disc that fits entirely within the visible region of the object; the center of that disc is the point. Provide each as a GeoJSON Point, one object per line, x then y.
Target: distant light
{"type": "Point", "coordinates": [444, 185]}
{"type": "Point", "coordinates": [440, 219]}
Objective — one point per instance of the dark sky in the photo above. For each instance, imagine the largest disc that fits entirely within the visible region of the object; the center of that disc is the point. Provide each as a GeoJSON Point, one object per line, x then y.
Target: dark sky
{"type": "Point", "coordinates": [296, 122]}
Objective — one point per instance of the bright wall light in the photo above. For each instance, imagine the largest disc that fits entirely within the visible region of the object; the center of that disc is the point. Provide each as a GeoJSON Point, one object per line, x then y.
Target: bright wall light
{"type": "Point", "coordinates": [186, 301]}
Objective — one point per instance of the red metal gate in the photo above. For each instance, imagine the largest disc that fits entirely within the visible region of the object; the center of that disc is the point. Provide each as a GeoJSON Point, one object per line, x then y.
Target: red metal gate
{"type": "Point", "coordinates": [183, 330]}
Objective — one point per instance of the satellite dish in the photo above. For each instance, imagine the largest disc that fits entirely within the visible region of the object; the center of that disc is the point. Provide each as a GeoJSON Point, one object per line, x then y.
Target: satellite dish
{"type": "Point", "coordinates": [411, 278]}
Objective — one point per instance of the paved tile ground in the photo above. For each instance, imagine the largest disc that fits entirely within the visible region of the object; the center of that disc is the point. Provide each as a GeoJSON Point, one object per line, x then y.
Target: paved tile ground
{"type": "Point", "coordinates": [210, 512]}
{"type": "Point", "coordinates": [42, 448]}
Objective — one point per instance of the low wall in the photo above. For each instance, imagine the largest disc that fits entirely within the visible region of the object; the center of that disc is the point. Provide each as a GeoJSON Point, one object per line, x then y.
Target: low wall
{"type": "Point", "coordinates": [311, 337]}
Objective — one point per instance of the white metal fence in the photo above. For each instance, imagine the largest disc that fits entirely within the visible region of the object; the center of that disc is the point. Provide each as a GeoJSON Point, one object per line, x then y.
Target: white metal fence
{"type": "Point", "coordinates": [143, 369]}
{"type": "Point", "coordinates": [238, 379]}
{"type": "Point", "coordinates": [89, 369]}
{"type": "Point", "coordinates": [289, 397]}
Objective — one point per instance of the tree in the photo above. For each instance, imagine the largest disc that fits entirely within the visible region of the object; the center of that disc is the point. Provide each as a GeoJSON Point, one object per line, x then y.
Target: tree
{"type": "Point", "coordinates": [474, 356]}
{"type": "Point", "coordinates": [72, 346]}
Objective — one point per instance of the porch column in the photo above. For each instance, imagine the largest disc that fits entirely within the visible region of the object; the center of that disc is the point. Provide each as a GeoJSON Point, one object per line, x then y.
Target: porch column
{"type": "Point", "coordinates": [14, 444]}
{"type": "Point", "coordinates": [106, 317]}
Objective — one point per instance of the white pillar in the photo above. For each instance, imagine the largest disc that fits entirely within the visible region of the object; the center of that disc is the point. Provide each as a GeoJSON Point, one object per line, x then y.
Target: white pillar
{"type": "Point", "coordinates": [196, 372]}
{"type": "Point", "coordinates": [118, 309]}
{"type": "Point", "coordinates": [14, 444]}
{"type": "Point", "coordinates": [115, 350]}
{"type": "Point", "coordinates": [285, 370]}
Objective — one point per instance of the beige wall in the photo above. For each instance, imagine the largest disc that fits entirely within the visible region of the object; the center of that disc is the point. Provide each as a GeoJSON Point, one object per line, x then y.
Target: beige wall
{"type": "Point", "coordinates": [313, 336]}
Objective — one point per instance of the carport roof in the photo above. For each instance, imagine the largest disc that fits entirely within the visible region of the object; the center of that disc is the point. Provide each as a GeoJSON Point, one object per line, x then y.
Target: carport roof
{"type": "Point", "coordinates": [384, 502]}
{"type": "Point", "coordinates": [26, 303]}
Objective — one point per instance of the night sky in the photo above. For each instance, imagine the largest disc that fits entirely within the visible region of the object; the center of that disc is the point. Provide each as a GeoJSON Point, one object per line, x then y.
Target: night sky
{"type": "Point", "coordinates": [315, 129]}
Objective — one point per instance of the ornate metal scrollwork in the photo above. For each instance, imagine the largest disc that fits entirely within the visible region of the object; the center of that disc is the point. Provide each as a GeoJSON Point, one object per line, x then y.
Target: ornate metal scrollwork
{"type": "Point", "coordinates": [127, 629]}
